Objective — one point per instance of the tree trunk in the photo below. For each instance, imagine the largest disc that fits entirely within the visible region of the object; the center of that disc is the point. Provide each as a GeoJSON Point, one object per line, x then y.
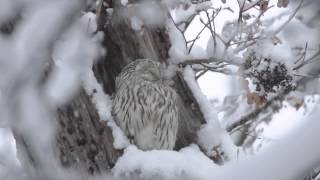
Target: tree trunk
{"type": "Point", "coordinates": [85, 142]}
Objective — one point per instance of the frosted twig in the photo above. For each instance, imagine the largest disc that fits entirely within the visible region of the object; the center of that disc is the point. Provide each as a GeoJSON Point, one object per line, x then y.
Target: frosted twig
{"type": "Point", "coordinates": [312, 59]}
{"type": "Point", "coordinates": [249, 118]}
{"type": "Point", "coordinates": [251, 5]}
{"type": "Point", "coordinates": [182, 33]}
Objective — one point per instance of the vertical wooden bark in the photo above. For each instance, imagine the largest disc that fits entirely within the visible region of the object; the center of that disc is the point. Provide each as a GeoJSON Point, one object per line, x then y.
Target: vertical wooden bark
{"type": "Point", "coordinates": [86, 143]}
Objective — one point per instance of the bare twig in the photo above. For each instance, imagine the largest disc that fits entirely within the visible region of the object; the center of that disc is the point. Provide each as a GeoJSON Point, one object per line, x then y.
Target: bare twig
{"type": "Point", "coordinates": [207, 61]}
{"type": "Point", "coordinates": [206, 25]}
{"type": "Point", "coordinates": [251, 5]}
{"type": "Point", "coordinates": [312, 59]}
{"type": "Point", "coordinates": [249, 118]}
{"type": "Point", "coordinates": [303, 55]}
{"type": "Point", "coordinates": [212, 27]}
{"type": "Point", "coordinates": [182, 33]}
{"type": "Point", "coordinates": [202, 73]}
{"type": "Point", "coordinates": [217, 35]}
{"type": "Point", "coordinates": [197, 37]}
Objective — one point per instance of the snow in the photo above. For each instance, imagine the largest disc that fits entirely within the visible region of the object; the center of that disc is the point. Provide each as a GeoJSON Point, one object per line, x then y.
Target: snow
{"type": "Point", "coordinates": [297, 34]}
{"type": "Point", "coordinates": [289, 118]}
{"type": "Point", "coordinates": [285, 159]}
{"type": "Point", "coordinates": [177, 51]}
{"type": "Point", "coordinates": [149, 12]}
{"type": "Point", "coordinates": [7, 148]}
{"type": "Point", "coordinates": [219, 51]}
{"type": "Point", "coordinates": [209, 113]}
{"type": "Point", "coordinates": [124, 2]}
{"type": "Point", "coordinates": [188, 163]}
{"type": "Point", "coordinates": [102, 101]}
{"type": "Point", "coordinates": [212, 129]}
{"type": "Point", "coordinates": [136, 23]}
{"type": "Point", "coordinates": [103, 104]}
{"type": "Point", "coordinates": [180, 14]}
{"type": "Point", "coordinates": [89, 19]}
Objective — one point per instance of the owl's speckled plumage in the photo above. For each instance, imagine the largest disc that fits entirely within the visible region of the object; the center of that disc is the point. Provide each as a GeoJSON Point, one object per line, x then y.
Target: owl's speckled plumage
{"type": "Point", "coordinates": [145, 107]}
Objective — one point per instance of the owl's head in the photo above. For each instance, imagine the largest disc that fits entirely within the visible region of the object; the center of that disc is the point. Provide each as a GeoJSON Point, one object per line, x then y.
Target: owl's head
{"type": "Point", "coordinates": [149, 70]}
{"type": "Point", "coordinates": [141, 69]}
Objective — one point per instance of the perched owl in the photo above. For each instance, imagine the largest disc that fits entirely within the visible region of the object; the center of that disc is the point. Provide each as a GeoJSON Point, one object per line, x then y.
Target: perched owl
{"type": "Point", "coordinates": [145, 107]}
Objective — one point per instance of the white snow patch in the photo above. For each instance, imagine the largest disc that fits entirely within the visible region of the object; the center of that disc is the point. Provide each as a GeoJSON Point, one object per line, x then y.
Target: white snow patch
{"type": "Point", "coordinates": [188, 163]}
{"type": "Point", "coordinates": [124, 2]}
{"type": "Point", "coordinates": [285, 159]}
{"type": "Point", "coordinates": [209, 113]}
{"type": "Point", "coordinates": [218, 49]}
{"type": "Point", "coordinates": [212, 129]}
{"type": "Point", "coordinates": [70, 62]}
{"type": "Point", "coordinates": [136, 23]}
{"type": "Point", "coordinates": [181, 14]}
{"type": "Point", "coordinates": [151, 13]}
{"type": "Point", "coordinates": [178, 50]}
{"type": "Point", "coordinates": [89, 19]}
{"type": "Point", "coordinates": [103, 105]}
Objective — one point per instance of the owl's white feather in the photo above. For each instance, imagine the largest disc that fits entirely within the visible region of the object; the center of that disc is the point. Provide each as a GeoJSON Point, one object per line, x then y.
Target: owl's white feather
{"type": "Point", "coordinates": [145, 107]}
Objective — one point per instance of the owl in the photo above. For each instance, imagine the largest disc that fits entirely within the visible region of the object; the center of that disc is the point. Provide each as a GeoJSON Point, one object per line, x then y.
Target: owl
{"type": "Point", "coordinates": [145, 106]}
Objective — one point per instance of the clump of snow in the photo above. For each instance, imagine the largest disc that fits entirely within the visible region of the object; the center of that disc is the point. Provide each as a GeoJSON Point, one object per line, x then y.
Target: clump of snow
{"type": "Point", "coordinates": [217, 49]}
{"type": "Point", "coordinates": [281, 160]}
{"type": "Point", "coordinates": [178, 49]}
{"type": "Point", "coordinates": [211, 134]}
{"type": "Point", "coordinates": [198, 52]}
{"type": "Point", "coordinates": [109, 11]}
{"type": "Point", "coordinates": [136, 23]}
{"type": "Point", "coordinates": [89, 19]}
{"type": "Point", "coordinates": [69, 62]}
{"type": "Point", "coordinates": [277, 53]}
{"type": "Point", "coordinates": [151, 13]}
{"type": "Point", "coordinates": [102, 101]}
{"type": "Point", "coordinates": [181, 14]}
{"type": "Point", "coordinates": [209, 113]}
{"type": "Point", "coordinates": [173, 3]}
{"type": "Point", "coordinates": [103, 105]}
{"type": "Point", "coordinates": [188, 163]}
{"type": "Point", "coordinates": [124, 2]}
{"type": "Point", "coordinates": [297, 34]}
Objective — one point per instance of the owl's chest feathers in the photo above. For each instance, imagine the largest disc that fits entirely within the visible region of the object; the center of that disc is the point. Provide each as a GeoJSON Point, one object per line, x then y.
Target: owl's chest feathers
{"type": "Point", "coordinates": [143, 107]}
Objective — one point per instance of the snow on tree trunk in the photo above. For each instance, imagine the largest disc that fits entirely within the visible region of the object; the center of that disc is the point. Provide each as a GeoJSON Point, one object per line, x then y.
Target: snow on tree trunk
{"type": "Point", "coordinates": [84, 141]}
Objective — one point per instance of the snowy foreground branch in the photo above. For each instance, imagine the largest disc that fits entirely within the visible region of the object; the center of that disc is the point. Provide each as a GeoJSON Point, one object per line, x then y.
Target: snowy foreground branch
{"type": "Point", "coordinates": [47, 56]}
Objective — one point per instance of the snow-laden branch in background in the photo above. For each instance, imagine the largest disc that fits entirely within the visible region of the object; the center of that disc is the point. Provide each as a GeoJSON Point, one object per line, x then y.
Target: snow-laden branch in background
{"type": "Point", "coordinates": [211, 136]}
{"type": "Point", "coordinates": [102, 101]}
